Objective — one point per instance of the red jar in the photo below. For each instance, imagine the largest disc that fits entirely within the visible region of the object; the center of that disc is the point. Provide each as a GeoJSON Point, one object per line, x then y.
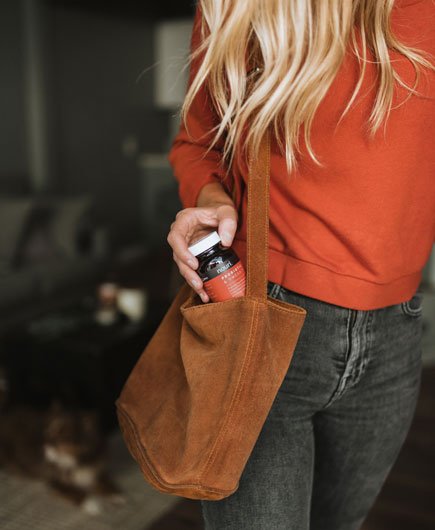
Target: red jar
{"type": "Point", "coordinates": [220, 268]}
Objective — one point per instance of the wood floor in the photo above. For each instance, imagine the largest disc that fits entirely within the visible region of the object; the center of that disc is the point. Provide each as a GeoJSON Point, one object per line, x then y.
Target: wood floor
{"type": "Point", "coordinates": [407, 501]}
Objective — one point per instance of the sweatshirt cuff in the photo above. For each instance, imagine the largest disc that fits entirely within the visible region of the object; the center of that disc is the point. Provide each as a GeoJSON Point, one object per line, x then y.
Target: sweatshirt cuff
{"type": "Point", "coordinates": [189, 189]}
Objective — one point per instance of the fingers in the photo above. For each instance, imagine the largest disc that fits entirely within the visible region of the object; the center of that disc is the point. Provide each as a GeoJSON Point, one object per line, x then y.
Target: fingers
{"type": "Point", "coordinates": [192, 278]}
{"type": "Point", "coordinates": [177, 239]}
{"type": "Point", "coordinates": [190, 225]}
{"type": "Point", "coordinates": [227, 218]}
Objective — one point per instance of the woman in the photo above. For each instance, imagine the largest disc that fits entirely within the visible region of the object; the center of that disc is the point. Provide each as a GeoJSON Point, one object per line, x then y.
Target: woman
{"type": "Point", "coordinates": [348, 89]}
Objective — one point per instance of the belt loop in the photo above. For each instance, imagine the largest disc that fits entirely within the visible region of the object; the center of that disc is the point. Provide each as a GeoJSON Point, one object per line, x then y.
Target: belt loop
{"type": "Point", "coordinates": [275, 289]}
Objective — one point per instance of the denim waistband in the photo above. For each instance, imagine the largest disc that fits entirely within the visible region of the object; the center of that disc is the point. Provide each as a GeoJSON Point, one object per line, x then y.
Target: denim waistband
{"type": "Point", "coordinates": [413, 306]}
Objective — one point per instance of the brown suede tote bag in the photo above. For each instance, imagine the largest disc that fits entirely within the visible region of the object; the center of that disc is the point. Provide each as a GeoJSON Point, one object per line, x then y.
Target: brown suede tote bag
{"type": "Point", "coordinates": [195, 402]}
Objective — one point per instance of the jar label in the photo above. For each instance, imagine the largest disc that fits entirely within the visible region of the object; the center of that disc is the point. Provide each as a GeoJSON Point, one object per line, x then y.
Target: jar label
{"type": "Point", "coordinates": [228, 284]}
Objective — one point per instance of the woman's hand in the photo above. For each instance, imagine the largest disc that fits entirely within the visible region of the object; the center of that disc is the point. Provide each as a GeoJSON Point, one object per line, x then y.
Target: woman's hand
{"type": "Point", "coordinates": [215, 210]}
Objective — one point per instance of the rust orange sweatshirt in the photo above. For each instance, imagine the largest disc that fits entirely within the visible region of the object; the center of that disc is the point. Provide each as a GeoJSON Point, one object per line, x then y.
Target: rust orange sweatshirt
{"type": "Point", "coordinates": [357, 232]}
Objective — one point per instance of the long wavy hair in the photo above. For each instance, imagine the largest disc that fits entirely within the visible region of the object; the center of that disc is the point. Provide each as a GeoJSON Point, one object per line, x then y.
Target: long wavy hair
{"type": "Point", "coordinates": [269, 64]}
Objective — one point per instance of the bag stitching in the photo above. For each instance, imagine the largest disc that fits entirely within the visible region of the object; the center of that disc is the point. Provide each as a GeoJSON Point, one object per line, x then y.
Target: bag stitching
{"type": "Point", "coordinates": [202, 305]}
{"type": "Point", "coordinates": [147, 461]}
{"type": "Point", "coordinates": [301, 311]}
{"type": "Point", "coordinates": [243, 299]}
{"type": "Point", "coordinates": [266, 224]}
{"type": "Point", "coordinates": [249, 223]}
{"type": "Point", "coordinates": [224, 428]}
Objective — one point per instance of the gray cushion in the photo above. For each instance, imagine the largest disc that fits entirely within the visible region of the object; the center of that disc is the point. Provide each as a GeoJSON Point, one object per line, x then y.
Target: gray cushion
{"type": "Point", "coordinates": [69, 214]}
{"type": "Point", "coordinates": [14, 215]}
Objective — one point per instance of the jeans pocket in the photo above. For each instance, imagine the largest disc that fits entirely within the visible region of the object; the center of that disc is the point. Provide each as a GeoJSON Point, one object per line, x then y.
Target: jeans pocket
{"type": "Point", "coordinates": [414, 306]}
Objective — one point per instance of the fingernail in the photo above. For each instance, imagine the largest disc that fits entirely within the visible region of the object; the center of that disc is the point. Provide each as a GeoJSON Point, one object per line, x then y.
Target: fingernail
{"type": "Point", "coordinates": [226, 238]}
{"type": "Point", "coordinates": [195, 283]}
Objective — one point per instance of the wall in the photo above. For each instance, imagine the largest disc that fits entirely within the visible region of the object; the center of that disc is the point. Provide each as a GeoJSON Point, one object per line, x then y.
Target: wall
{"type": "Point", "coordinates": [13, 156]}
{"type": "Point", "coordinates": [103, 96]}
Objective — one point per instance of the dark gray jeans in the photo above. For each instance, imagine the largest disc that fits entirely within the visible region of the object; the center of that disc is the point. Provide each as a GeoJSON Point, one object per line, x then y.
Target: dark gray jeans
{"type": "Point", "coordinates": [337, 423]}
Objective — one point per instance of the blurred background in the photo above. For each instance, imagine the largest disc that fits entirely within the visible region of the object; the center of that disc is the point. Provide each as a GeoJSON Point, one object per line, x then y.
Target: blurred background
{"type": "Point", "coordinates": [89, 98]}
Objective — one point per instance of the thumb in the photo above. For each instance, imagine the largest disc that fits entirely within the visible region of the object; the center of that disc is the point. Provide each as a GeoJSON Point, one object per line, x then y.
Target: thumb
{"type": "Point", "coordinates": [227, 219]}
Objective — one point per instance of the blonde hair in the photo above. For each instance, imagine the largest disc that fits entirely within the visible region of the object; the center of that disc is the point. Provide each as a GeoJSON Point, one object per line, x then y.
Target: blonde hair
{"type": "Point", "coordinates": [269, 63]}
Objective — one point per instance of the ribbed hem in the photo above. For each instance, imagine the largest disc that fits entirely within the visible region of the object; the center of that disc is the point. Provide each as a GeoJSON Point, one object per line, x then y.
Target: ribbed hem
{"type": "Point", "coordinates": [331, 287]}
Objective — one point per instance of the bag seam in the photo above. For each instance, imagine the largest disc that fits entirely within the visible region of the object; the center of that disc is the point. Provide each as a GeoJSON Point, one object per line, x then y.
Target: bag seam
{"type": "Point", "coordinates": [266, 178]}
{"type": "Point", "coordinates": [254, 299]}
{"type": "Point", "coordinates": [147, 461]}
{"type": "Point", "coordinates": [239, 385]}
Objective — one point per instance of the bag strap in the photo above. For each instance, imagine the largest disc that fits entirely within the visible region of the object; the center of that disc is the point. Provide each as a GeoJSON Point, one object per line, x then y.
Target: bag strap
{"type": "Point", "coordinates": [258, 221]}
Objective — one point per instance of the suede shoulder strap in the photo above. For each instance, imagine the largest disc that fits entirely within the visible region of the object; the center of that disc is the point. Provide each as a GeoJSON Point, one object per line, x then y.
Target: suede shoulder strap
{"type": "Point", "coordinates": [258, 220]}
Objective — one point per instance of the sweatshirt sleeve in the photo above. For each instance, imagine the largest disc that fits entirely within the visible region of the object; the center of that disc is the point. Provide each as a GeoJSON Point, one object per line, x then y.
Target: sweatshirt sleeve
{"type": "Point", "coordinates": [191, 167]}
